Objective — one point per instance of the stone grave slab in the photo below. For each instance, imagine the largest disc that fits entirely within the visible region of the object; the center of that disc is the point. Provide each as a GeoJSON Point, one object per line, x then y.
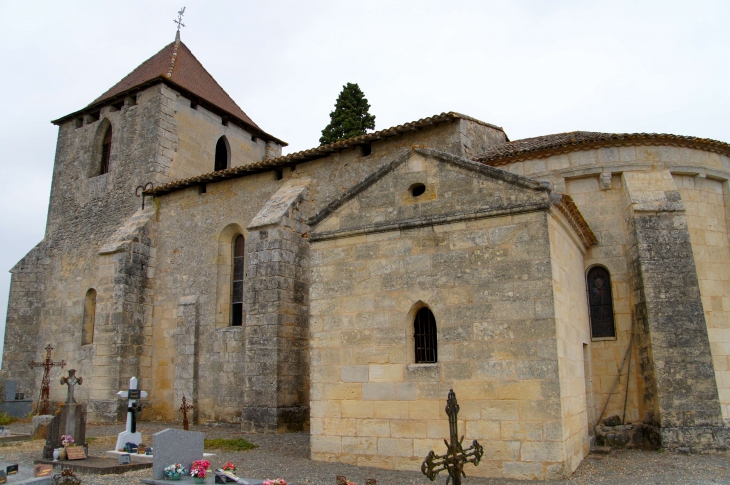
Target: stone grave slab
{"type": "Point", "coordinates": [96, 465]}
{"type": "Point", "coordinates": [136, 457]}
{"type": "Point", "coordinates": [189, 479]}
{"type": "Point", "coordinates": [10, 436]}
{"type": "Point", "coordinates": [25, 476]}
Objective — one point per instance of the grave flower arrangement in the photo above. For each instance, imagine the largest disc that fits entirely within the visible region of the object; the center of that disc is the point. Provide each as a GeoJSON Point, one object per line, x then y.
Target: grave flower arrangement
{"type": "Point", "coordinates": [229, 467]}
{"type": "Point", "coordinates": [198, 472]}
{"type": "Point", "coordinates": [277, 481]}
{"type": "Point", "coordinates": [67, 440]}
{"type": "Point", "coordinates": [174, 471]}
{"type": "Point", "coordinates": [204, 464]}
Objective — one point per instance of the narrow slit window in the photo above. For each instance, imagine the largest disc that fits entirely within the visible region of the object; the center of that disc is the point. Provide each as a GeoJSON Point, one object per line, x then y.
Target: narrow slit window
{"type": "Point", "coordinates": [87, 331]}
{"type": "Point", "coordinates": [425, 337]}
{"type": "Point", "coordinates": [106, 152]}
{"type": "Point", "coordinates": [600, 302]}
{"type": "Point", "coordinates": [237, 282]}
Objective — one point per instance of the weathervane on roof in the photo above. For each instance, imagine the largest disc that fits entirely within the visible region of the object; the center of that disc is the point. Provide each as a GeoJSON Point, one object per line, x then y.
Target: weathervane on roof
{"type": "Point", "coordinates": [179, 20]}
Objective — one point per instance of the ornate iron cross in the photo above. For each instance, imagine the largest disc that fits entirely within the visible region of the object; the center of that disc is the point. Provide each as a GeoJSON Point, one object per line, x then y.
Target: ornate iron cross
{"type": "Point", "coordinates": [456, 456]}
{"type": "Point", "coordinates": [184, 409]}
{"type": "Point", "coordinates": [44, 402]}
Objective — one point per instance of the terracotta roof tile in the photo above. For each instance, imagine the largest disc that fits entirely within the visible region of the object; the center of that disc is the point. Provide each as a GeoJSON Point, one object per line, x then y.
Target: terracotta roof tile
{"type": "Point", "coordinates": [312, 153]}
{"type": "Point", "coordinates": [544, 146]}
{"type": "Point", "coordinates": [177, 65]}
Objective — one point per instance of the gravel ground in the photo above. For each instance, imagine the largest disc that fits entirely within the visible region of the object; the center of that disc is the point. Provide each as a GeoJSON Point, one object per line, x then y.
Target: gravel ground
{"type": "Point", "coordinates": [286, 456]}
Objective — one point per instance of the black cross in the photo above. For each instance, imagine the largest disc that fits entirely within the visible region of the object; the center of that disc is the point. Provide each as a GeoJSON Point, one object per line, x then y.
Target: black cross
{"type": "Point", "coordinates": [179, 19]}
{"type": "Point", "coordinates": [456, 456]}
{"type": "Point", "coordinates": [134, 409]}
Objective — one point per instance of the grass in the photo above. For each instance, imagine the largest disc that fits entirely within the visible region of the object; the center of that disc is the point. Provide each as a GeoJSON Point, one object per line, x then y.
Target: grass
{"type": "Point", "coordinates": [5, 418]}
{"type": "Point", "coordinates": [231, 444]}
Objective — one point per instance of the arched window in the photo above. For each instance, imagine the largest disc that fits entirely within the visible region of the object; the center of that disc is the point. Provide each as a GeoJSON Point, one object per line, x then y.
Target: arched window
{"type": "Point", "coordinates": [425, 337]}
{"type": "Point", "coordinates": [600, 303]}
{"type": "Point", "coordinates": [222, 155]}
{"type": "Point", "coordinates": [237, 282]}
{"type": "Point", "coordinates": [87, 331]}
{"type": "Point", "coordinates": [106, 151]}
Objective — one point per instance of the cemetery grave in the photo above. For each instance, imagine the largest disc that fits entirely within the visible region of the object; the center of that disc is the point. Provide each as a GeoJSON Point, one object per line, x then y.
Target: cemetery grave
{"type": "Point", "coordinates": [66, 446]}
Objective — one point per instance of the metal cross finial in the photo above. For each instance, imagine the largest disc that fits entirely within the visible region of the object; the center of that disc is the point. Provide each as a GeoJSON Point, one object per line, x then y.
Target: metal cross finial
{"type": "Point", "coordinates": [44, 402]}
{"type": "Point", "coordinates": [456, 456]}
{"type": "Point", "coordinates": [184, 409]}
{"type": "Point", "coordinates": [179, 19]}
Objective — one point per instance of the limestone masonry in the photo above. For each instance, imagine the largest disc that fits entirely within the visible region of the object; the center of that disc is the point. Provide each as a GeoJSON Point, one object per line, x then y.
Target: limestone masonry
{"type": "Point", "coordinates": [551, 282]}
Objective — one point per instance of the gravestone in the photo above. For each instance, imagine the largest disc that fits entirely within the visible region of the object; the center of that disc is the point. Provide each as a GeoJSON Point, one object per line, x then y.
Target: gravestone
{"type": "Point", "coordinates": [58, 427]}
{"type": "Point", "coordinates": [175, 446]}
{"type": "Point", "coordinates": [69, 419]}
{"type": "Point", "coordinates": [130, 433]}
{"type": "Point", "coordinates": [11, 389]}
{"type": "Point", "coordinates": [15, 404]}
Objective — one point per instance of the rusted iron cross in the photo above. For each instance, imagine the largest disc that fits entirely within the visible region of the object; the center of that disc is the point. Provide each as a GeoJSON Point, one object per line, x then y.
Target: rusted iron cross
{"type": "Point", "coordinates": [184, 409]}
{"type": "Point", "coordinates": [44, 402]}
{"type": "Point", "coordinates": [456, 456]}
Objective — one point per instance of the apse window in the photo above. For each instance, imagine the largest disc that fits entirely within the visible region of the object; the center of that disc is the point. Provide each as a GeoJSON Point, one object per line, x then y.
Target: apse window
{"type": "Point", "coordinates": [237, 282]}
{"type": "Point", "coordinates": [600, 302]}
{"type": "Point", "coordinates": [417, 189]}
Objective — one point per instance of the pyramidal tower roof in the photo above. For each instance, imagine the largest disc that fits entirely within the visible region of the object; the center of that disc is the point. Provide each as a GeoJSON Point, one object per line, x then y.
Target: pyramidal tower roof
{"type": "Point", "coordinates": [176, 65]}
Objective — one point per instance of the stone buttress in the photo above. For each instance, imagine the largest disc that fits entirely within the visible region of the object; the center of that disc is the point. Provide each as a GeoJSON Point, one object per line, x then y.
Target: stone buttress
{"type": "Point", "coordinates": [682, 408]}
{"type": "Point", "coordinates": [276, 396]}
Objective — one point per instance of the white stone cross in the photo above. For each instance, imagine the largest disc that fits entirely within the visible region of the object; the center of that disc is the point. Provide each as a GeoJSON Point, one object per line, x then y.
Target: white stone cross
{"type": "Point", "coordinates": [130, 434]}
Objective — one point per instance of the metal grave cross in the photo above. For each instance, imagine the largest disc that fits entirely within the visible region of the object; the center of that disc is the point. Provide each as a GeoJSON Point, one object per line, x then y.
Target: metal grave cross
{"type": "Point", "coordinates": [133, 395]}
{"type": "Point", "coordinates": [184, 409]}
{"type": "Point", "coordinates": [71, 381]}
{"type": "Point", "coordinates": [44, 402]}
{"type": "Point", "coordinates": [456, 456]}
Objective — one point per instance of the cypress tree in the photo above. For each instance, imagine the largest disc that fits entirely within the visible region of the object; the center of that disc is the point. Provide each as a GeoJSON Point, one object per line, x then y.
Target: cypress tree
{"type": "Point", "coordinates": [350, 117]}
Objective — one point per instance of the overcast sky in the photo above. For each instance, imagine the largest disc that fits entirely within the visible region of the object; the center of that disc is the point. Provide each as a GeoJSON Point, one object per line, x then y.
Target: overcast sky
{"type": "Point", "coordinates": [532, 67]}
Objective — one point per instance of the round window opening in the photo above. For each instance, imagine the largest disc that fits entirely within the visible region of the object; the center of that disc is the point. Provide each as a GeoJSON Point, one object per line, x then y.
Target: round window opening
{"type": "Point", "coordinates": [417, 189]}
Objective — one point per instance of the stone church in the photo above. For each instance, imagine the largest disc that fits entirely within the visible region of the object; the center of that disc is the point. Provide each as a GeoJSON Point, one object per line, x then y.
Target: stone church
{"type": "Point", "coordinates": [551, 281]}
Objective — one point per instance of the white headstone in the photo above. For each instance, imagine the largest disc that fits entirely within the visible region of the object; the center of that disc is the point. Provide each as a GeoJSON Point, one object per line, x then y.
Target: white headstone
{"type": "Point", "coordinates": [127, 436]}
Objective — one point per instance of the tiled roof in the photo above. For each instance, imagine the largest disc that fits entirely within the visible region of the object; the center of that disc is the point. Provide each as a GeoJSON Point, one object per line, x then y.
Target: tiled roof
{"type": "Point", "coordinates": [544, 146]}
{"type": "Point", "coordinates": [176, 65]}
{"type": "Point", "coordinates": [311, 154]}
{"type": "Point", "coordinates": [565, 205]}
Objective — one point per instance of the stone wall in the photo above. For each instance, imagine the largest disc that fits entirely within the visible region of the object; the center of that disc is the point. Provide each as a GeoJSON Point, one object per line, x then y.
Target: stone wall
{"type": "Point", "coordinates": [603, 208]}
{"type": "Point", "coordinates": [705, 208]}
{"type": "Point", "coordinates": [373, 406]}
{"type": "Point", "coordinates": [193, 247]}
{"type": "Point", "coordinates": [199, 131]}
{"type": "Point", "coordinates": [85, 212]}
{"type": "Point", "coordinates": [573, 336]}
{"type": "Point", "coordinates": [489, 283]}
{"type": "Point", "coordinates": [593, 179]}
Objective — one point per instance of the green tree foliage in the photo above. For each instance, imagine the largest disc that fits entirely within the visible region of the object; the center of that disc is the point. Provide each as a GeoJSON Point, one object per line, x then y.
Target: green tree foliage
{"type": "Point", "coordinates": [350, 117]}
